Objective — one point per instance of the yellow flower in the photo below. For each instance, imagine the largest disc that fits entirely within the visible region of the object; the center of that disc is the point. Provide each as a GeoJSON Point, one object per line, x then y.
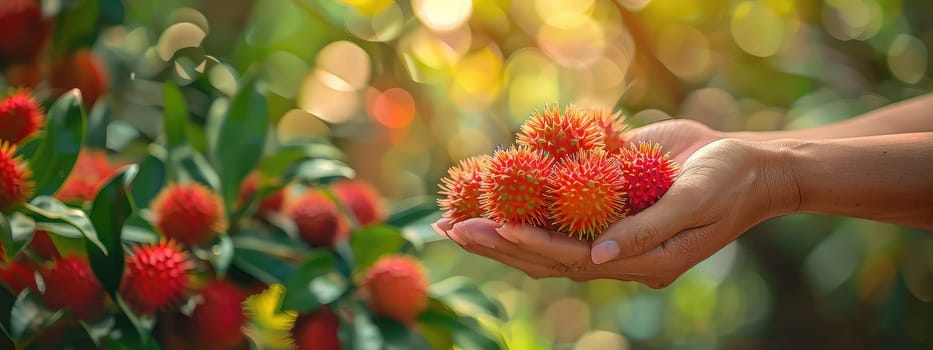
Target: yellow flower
{"type": "Point", "coordinates": [269, 325]}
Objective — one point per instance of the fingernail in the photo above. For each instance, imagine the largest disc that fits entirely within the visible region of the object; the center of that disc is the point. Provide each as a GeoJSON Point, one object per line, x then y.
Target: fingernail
{"type": "Point", "coordinates": [483, 241]}
{"type": "Point", "coordinates": [439, 231]}
{"type": "Point", "coordinates": [505, 231]}
{"type": "Point", "coordinates": [479, 239]}
{"type": "Point", "coordinates": [604, 252]}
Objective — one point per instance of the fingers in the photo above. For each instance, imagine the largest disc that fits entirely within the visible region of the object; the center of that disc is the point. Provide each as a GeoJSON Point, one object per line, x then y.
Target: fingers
{"type": "Point", "coordinates": [556, 246]}
{"type": "Point", "coordinates": [640, 233]}
{"type": "Point", "coordinates": [479, 236]}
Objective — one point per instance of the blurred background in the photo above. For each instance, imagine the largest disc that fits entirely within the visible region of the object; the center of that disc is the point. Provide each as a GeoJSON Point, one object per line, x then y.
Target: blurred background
{"type": "Point", "coordinates": [408, 88]}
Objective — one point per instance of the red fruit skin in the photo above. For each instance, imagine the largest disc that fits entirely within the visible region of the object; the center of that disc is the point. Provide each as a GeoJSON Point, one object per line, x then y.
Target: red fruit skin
{"type": "Point", "coordinates": [317, 331]}
{"type": "Point", "coordinates": [23, 30]}
{"type": "Point", "coordinates": [81, 70]}
{"type": "Point", "coordinates": [270, 204]}
{"type": "Point", "coordinates": [26, 75]}
{"type": "Point", "coordinates": [397, 287]}
{"type": "Point", "coordinates": [70, 284]}
{"type": "Point", "coordinates": [91, 171]}
{"type": "Point", "coordinates": [218, 320]}
{"type": "Point", "coordinates": [462, 188]}
{"type": "Point", "coordinates": [189, 213]}
{"type": "Point", "coordinates": [15, 184]}
{"type": "Point", "coordinates": [317, 219]}
{"type": "Point", "coordinates": [648, 174]}
{"type": "Point", "coordinates": [156, 277]}
{"type": "Point", "coordinates": [586, 193]}
{"type": "Point", "coordinates": [17, 276]}
{"type": "Point", "coordinates": [43, 246]}
{"type": "Point", "coordinates": [514, 186]}
{"type": "Point", "coordinates": [362, 199]}
{"type": "Point", "coordinates": [613, 127]}
{"type": "Point", "coordinates": [20, 115]}
{"type": "Point", "coordinates": [561, 134]}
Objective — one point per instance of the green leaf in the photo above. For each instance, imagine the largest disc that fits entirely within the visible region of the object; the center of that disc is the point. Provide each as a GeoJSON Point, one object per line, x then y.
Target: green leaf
{"type": "Point", "coordinates": [313, 284]}
{"type": "Point", "coordinates": [241, 140]}
{"type": "Point", "coordinates": [175, 116]}
{"type": "Point", "coordinates": [27, 148]}
{"type": "Point", "coordinates": [64, 135]}
{"type": "Point", "coordinates": [222, 254]}
{"type": "Point", "coordinates": [370, 243]}
{"type": "Point", "coordinates": [7, 300]}
{"type": "Point", "coordinates": [398, 336]}
{"type": "Point", "coordinates": [189, 165]}
{"type": "Point", "coordinates": [16, 231]}
{"type": "Point", "coordinates": [460, 291]}
{"type": "Point", "coordinates": [28, 317]}
{"type": "Point", "coordinates": [76, 27]}
{"type": "Point", "coordinates": [54, 216]}
{"type": "Point", "coordinates": [361, 333]}
{"type": "Point", "coordinates": [149, 181]}
{"type": "Point", "coordinates": [412, 211]}
{"type": "Point", "coordinates": [467, 333]}
{"type": "Point", "coordinates": [97, 121]}
{"type": "Point", "coordinates": [263, 267]}
{"type": "Point", "coordinates": [111, 208]}
{"type": "Point", "coordinates": [322, 171]}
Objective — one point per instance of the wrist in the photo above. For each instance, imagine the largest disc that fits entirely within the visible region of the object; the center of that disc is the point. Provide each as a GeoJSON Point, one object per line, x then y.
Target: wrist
{"type": "Point", "coordinates": [776, 166]}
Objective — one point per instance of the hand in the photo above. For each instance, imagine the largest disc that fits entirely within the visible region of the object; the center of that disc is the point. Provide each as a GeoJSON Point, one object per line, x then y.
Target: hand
{"type": "Point", "coordinates": [680, 137]}
{"type": "Point", "coordinates": [725, 188]}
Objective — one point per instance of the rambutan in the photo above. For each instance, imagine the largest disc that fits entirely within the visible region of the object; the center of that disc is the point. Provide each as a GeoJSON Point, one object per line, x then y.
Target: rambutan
{"type": "Point", "coordinates": [24, 32]}
{"type": "Point", "coordinates": [648, 174]}
{"type": "Point", "coordinates": [362, 199]}
{"type": "Point", "coordinates": [189, 213]}
{"type": "Point", "coordinates": [514, 186]}
{"type": "Point", "coordinates": [613, 127]}
{"type": "Point", "coordinates": [462, 188]}
{"type": "Point", "coordinates": [396, 287]}
{"type": "Point", "coordinates": [91, 171]}
{"type": "Point", "coordinates": [317, 219]}
{"type": "Point", "coordinates": [81, 70]}
{"type": "Point", "coordinates": [218, 320]}
{"type": "Point", "coordinates": [15, 183]}
{"type": "Point", "coordinates": [561, 134]}
{"type": "Point", "coordinates": [18, 276]}
{"type": "Point", "coordinates": [70, 284]}
{"type": "Point", "coordinates": [20, 115]}
{"type": "Point", "coordinates": [317, 331]}
{"type": "Point", "coordinates": [270, 204]}
{"type": "Point", "coordinates": [27, 74]}
{"type": "Point", "coordinates": [586, 194]}
{"type": "Point", "coordinates": [43, 246]}
{"type": "Point", "coordinates": [156, 276]}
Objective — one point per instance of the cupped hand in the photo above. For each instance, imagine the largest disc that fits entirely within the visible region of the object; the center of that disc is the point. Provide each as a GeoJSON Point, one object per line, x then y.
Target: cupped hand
{"type": "Point", "coordinates": [680, 137]}
{"type": "Point", "coordinates": [724, 188]}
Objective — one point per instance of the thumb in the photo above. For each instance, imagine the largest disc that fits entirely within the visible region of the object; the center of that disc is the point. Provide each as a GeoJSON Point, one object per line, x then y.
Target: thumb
{"type": "Point", "coordinates": [638, 234]}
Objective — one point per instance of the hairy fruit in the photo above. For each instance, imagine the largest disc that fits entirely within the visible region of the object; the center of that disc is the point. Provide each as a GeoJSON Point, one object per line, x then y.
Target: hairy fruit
{"type": "Point", "coordinates": [189, 213]}
{"type": "Point", "coordinates": [362, 199]}
{"type": "Point", "coordinates": [24, 32]}
{"type": "Point", "coordinates": [91, 171]}
{"type": "Point", "coordinates": [397, 287]}
{"type": "Point", "coordinates": [561, 134]}
{"type": "Point", "coordinates": [15, 183]}
{"type": "Point", "coordinates": [317, 331]}
{"type": "Point", "coordinates": [156, 277]}
{"type": "Point", "coordinates": [648, 174]}
{"type": "Point", "coordinates": [20, 116]}
{"type": "Point", "coordinates": [586, 194]}
{"type": "Point", "coordinates": [462, 189]}
{"type": "Point", "coordinates": [514, 186]}
{"type": "Point", "coordinates": [317, 219]}
{"type": "Point", "coordinates": [70, 284]}
{"type": "Point", "coordinates": [218, 319]}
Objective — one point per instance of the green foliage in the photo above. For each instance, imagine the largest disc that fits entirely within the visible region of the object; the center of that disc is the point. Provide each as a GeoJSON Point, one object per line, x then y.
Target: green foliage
{"type": "Point", "coordinates": [58, 151]}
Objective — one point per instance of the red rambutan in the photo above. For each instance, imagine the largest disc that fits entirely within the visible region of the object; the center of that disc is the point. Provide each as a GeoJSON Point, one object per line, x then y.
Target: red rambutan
{"type": "Point", "coordinates": [317, 219]}
{"type": "Point", "coordinates": [189, 213]}
{"type": "Point", "coordinates": [462, 188]}
{"type": "Point", "coordinates": [586, 194]}
{"type": "Point", "coordinates": [648, 174]}
{"type": "Point", "coordinates": [156, 277]}
{"type": "Point", "coordinates": [81, 70]}
{"type": "Point", "coordinates": [27, 74]}
{"type": "Point", "coordinates": [362, 199]}
{"type": "Point", "coordinates": [91, 171]}
{"type": "Point", "coordinates": [23, 30]}
{"type": "Point", "coordinates": [70, 284]}
{"type": "Point", "coordinates": [317, 331]}
{"type": "Point", "coordinates": [42, 244]}
{"type": "Point", "coordinates": [561, 134]}
{"type": "Point", "coordinates": [397, 287]}
{"type": "Point", "coordinates": [270, 204]}
{"type": "Point", "coordinates": [18, 276]}
{"type": "Point", "coordinates": [218, 320]}
{"type": "Point", "coordinates": [15, 183]}
{"type": "Point", "coordinates": [613, 127]}
{"type": "Point", "coordinates": [514, 186]}
{"type": "Point", "coordinates": [20, 115]}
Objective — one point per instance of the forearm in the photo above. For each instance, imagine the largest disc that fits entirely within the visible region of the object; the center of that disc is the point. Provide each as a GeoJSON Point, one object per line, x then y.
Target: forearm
{"type": "Point", "coordinates": [886, 178]}
{"type": "Point", "coordinates": [913, 115]}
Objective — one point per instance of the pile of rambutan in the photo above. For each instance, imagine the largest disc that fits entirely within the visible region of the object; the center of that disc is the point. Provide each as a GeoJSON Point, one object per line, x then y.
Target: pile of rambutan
{"type": "Point", "coordinates": [570, 171]}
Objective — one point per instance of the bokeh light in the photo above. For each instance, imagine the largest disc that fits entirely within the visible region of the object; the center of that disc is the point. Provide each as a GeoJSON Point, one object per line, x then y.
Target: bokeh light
{"type": "Point", "coordinates": [393, 108]}
{"type": "Point", "coordinates": [179, 36]}
{"type": "Point", "coordinates": [757, 28]}
{"type": "Point", "coordinates": [442, 15]}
